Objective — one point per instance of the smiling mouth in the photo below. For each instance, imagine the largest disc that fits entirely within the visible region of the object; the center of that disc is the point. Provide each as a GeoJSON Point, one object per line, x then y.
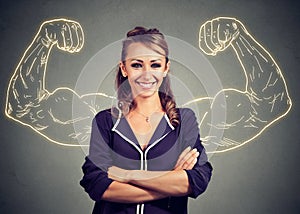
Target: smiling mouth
{"type": "Point", "coordinates": [146, 85]}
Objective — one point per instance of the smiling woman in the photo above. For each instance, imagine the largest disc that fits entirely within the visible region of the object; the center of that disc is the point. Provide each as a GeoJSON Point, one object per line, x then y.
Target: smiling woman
{"type": "Point", "coordinates": [145, 72]}
{"type": "Point", "coordinates": [145, 154]}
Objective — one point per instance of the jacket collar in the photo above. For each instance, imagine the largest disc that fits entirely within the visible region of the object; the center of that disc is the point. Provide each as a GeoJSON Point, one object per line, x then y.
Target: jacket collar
{"type": "Point", "coordinates": [123, 128]}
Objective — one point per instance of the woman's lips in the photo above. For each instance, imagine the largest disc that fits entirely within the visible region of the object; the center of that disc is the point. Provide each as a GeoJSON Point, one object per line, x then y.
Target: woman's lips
{"type": "Point", "coordinates": [146, 85]}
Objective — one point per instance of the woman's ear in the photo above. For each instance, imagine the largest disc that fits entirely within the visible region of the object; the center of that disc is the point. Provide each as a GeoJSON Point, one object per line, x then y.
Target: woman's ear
{"type": "Point", "coordinates": [123, 69]}
{"type": "Point", "coordinates": [167, 68]}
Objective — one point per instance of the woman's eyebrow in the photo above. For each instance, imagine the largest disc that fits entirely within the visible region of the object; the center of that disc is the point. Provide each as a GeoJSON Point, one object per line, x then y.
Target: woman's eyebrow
{"type": "Point", "coordinates": [140, 60]}
{"type": "Point", "coordinates": [154, 60]}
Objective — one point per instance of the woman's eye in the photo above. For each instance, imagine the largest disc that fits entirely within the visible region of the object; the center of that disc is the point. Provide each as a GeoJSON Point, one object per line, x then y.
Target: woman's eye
{"type": "Point", "coordinates": [155, 65]}
{"type": "Point", "coordinates": [136, 65]}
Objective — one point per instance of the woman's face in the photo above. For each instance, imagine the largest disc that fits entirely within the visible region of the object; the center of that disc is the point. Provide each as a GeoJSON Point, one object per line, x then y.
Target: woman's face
{"type": "Point", "coordinates": [145, 69]}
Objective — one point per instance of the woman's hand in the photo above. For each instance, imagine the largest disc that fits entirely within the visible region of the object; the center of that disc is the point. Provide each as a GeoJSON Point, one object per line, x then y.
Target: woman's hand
{"type": "Point", "coordinates": [187, 159]}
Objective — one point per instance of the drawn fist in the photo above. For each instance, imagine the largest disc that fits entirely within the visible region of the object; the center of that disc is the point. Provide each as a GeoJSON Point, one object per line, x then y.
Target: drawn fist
{"type": "Point", "coordinates": [67, 35]}
{"type": "Point", "coordinates": [217, 34]}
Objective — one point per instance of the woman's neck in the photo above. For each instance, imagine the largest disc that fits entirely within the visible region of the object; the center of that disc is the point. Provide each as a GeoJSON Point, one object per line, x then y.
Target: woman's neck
{"type": "Point", "coordinates": [148, 105]}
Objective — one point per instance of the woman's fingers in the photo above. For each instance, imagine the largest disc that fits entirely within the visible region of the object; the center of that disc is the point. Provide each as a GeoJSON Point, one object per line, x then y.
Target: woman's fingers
{"type": "Point", "coordinates": [187, 159]}
{"type": "Point", "coordinates": [190, 163]}
{"type": "Point", "coordinates": [182, 155]}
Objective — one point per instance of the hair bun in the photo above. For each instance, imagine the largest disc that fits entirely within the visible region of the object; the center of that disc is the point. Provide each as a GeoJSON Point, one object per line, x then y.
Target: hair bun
{"type": "Point", "coordinates": [142, 31]}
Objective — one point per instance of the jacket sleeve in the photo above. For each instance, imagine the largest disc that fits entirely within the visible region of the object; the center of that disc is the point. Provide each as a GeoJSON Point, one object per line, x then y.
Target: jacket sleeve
{"type": "Point", "coordinates": [95, 180]}
{"type": "Point", "coordinates": [200, 175]}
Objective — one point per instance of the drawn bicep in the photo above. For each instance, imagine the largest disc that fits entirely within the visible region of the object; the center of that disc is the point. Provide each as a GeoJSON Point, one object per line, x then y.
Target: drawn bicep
{"type": "Point", "coordinates": [241, 124]}
{"type": "Point", "coordinates": [54, 118]}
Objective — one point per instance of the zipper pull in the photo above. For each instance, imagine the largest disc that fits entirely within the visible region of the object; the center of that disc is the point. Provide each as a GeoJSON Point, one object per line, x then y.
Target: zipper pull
{"type": "Point", "coordinates": [169, 202]}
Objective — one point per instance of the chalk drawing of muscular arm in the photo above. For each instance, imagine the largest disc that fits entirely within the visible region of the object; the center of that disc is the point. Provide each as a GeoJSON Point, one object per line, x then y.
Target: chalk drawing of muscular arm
{"type": "Point", "coordinates": [30, 103]}
{"type": "Point", "coordinates": [264, 99]}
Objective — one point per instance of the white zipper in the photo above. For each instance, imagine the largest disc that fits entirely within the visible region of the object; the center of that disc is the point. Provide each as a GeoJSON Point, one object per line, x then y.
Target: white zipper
{"type": "Point", "coordinates": [140, 207]}
{"type": "Point", "coordinates": [147, 150]}
{"type": "Point", "coordinates": [135, 146]}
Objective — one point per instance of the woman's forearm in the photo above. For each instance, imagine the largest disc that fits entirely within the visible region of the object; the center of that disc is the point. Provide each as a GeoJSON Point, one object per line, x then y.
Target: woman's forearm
{"type": "Point", "coordinates": [128, 193]}
{"type": "Point", "coordinates": [171, 183]}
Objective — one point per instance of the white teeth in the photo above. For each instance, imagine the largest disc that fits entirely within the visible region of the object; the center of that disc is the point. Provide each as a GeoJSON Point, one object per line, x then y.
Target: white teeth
{"type": "Point", "coordinates": [146, 85]}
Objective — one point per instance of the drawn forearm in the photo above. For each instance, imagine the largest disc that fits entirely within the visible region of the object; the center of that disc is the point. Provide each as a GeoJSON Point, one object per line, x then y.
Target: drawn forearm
{"type": "Point", "coordinates": [265, 84]}
{"type": "Point", "coordinates": [264, 77]}
{"type": "Point", "coordinates": [27, 83]}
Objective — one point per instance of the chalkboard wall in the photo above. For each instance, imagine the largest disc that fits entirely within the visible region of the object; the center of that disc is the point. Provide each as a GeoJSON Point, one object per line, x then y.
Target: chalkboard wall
{"type": "Point", "coordinates": [262, 176]}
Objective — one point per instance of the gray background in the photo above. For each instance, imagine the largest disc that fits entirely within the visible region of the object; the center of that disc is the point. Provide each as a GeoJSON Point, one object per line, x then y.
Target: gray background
{"type": "Point", "coordinates": [260, 177]}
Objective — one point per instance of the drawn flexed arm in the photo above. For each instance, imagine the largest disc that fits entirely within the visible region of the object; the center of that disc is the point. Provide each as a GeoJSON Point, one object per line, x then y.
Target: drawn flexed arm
{"type": "Point", "coordinates": [264, 99]}
{"type": "Point", "coordinates": [30, 103]}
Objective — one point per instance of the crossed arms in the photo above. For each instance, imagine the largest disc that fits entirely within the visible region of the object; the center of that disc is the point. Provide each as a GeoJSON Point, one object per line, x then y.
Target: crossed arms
{"type": "Point", "coordinates": [118, 175]}
{"type": "Point", "coordinates": [138, 186]}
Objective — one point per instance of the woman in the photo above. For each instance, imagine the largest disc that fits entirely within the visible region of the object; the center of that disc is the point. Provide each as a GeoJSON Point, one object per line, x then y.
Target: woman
{"type": "Point", "coordinates": [145, 155]}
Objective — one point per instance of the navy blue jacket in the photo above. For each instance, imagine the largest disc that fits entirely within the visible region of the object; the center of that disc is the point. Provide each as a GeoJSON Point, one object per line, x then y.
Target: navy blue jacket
{"type": "Point", "coordinates": [113, 143]}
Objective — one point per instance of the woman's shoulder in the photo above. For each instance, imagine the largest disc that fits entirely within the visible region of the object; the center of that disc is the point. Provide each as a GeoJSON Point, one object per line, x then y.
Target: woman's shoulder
{"type": "Point", "coordinates": [188, 120]}
{"type": "Point", "coordinates": [105, 117]}
{"type": "Point", "coordinates": [186, 112]}
{"type": "Point", "coordinates": [187, 116]}
{"type": "Point", "coordinates": [103, 114]}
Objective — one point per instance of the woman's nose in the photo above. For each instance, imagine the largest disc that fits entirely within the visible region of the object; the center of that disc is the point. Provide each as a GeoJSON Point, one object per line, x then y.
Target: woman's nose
{"type": "Point", "coordinates": [147, 71]}
{"type": "Point", "coordinates": [147, 74]}
{"type": "Point", "coordinates": [147, 68]}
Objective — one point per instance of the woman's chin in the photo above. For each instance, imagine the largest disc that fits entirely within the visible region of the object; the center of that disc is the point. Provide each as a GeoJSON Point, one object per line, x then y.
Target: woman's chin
{"type": "Point", "coordinates": [146, 93]}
